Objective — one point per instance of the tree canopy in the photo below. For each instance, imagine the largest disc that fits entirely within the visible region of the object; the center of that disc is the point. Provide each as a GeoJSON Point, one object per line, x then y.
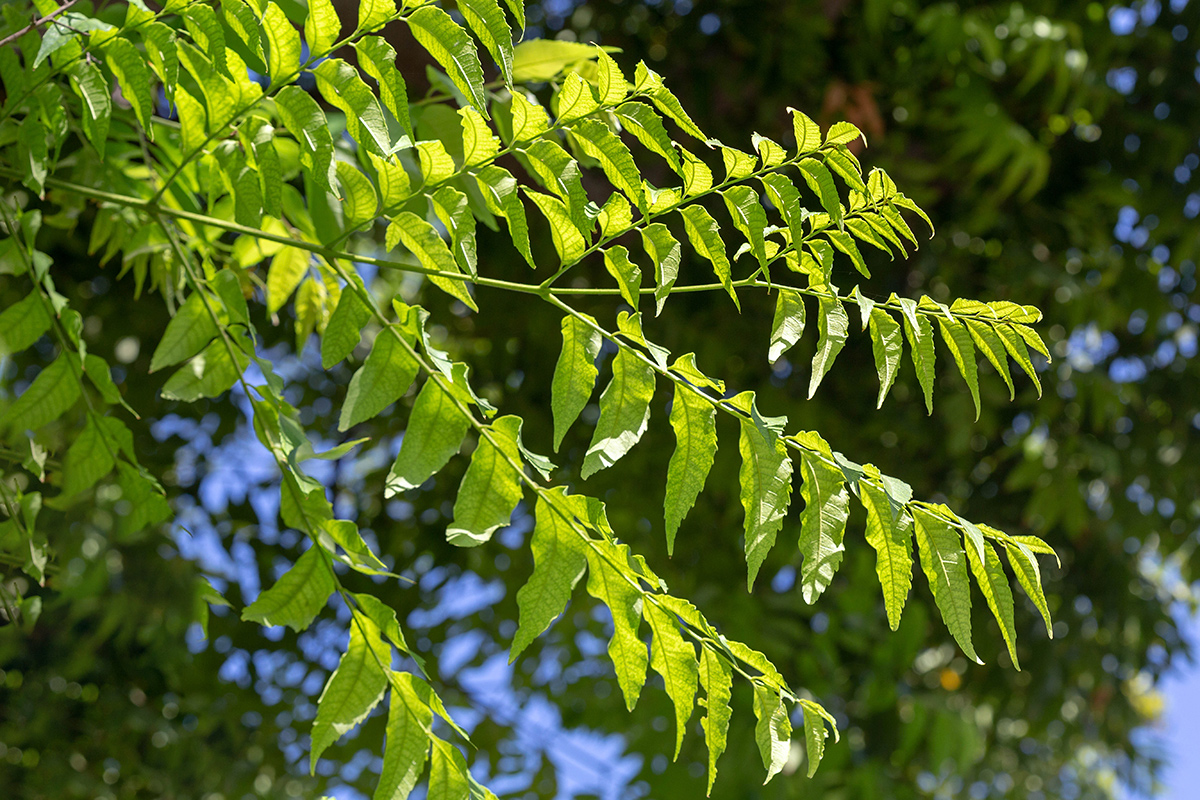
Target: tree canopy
{"type": "Point", "coordinates": [279, 380]}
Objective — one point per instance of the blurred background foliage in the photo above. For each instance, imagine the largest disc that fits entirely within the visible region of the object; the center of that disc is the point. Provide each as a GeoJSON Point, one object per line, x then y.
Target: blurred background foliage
{"type": "Point", "coordinates": [1055, 147]}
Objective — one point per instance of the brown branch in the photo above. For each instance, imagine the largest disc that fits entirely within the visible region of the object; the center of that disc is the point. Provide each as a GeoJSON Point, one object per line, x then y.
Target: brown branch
{"type": "Point", "coordinates": [37, 22]}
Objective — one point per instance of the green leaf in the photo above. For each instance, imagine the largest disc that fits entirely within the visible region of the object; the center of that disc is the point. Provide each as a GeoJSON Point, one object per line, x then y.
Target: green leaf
{"type": "Point", "coordinates": [447, 773]}
{"type": "Point", "coordinates": [423, 241]}
{"type": "Point", "coordinates": [705, 235]}
{"type": "Point", "coordinates": [161, 48]}
{"type": "Point", "coordinates": [1015, 345]}
{"type": "Point", "coordinates": [624, 413]}
{"type": "Point", "coordinates": [485, 18]}
{"type": "Point", "coordinates": [321, 27]}
{"type": "Point", "coordinates": [491, 488]}
{"type": "Point", "coordinates": [697, 177]}
{"type": "Point", "coordinates": [887, 347]}
{"type": "Point", "coordinates": [354, 688]}
{"type": "Point", "coordinates": [675, 660]}
{"type": "Point", "coordinates": [559, 173]}
{"type": "Point", "coordinates": [23, 323]}
{"type": "Point", "coordinates": [843, 133]}
{"type": "Point", "coordinates": [479, 145]}
{"type": "Point", "coordinates": [542, 60]}
{"type": "Point", "coordinates": [785, 197]}
{"type": "Point", "coordinates": [646, 126]}
{"type": "Point", "coordinates": [1029, 575]}
{"type": "Point", "coordinates": [771, 154]}
{"type": "Point", "coordinates": [499, 190]}
{"type": "Point", "coordinates": [766, 489]}
{"type": "Point", "coordinates": [378, 59]}
{"type": "Point", "coordinates": [575, 99]}
{"type": "Point", "coordinates": [625, 648]}
{"type": "Point", "coordinates": [989, 575]}
{"type": "Point", "coordinates": [625, 272]}
{"type": "Point", "coordinates": [773, 731]}
{"type": "Point", "coordinates": [846, 165]}
{"type": "Point", "coordinates": [944, 564]}
{"type": "Point", "coordinates": [382, 379]}
{"type": "Point", "coordinates": [98, 373]}
{"type": "Point", "coordinates": [748, 217]}
{"type": "Point", "coordinates": [130, 67]}
{"type": "Point", "coordinates": [283, 46]}
{"type": "Point", "coordinates": [375, 13]}
{"type": "Point", "coordinates": [343, 331]}
{"type": "Point", "coordinates": [788, 326]}
{"type": "Point", "coordinates": [341, 86]}
{"type": "Point", "coordinates": [693, 419]}
{"type": "Point", "coordinates": [665, 252]}
{"type": "Point", "coordinates": [834, 326]}
{"type": "Point", "coordinates": [559, 560]}
{"type": "Point", "coordinates": [206, 31]}
{"type": "Point", "coordinates": [889, 532]}
{"type": "Point", "coordinates": [361, 203]}
{"type": "Point", "coordinates": [406, 747]}
{"type": "Point", "coordinates": [304, 118]}
{"type": "Point", "coordinates": [186, 335]}
{"type": "Point", "coordinates": [297, 597]}
{"type": "Point", "coordinates": [814, 737]}
{"type": "Point", "coordinates": [434, 434]}
{"type": "Point", "coordinates": [808, 134]}
{"type": "Point", "coordinates": [451, 47]}
{"type": "Point", "coordinates": [958, 339]}
{"type": "Point", "coordinates": [648, 82]}
{"type": "Point", "coordinates": [288, 268]}
{"type": "Point", "coordinates": [529, 121]}
{"type": "Point", "coordinates": [574, 374]}
{"type": "Point", "coordinates": [823, 521]}
{"type": "Point", "coordinates": [920, 340]}
{"type": "Point", "coordinates": [568, 241]}
{"type": "Point", "coordinates": [210, 374]}
{"type": "Point", "coordinates": [599, 142]}
{"type": "Point", "coordinates": [989, 342]}
{"type": "Point", "coordinates": [92, 455]}
{"type": "Point", "coordinates": [738, 165]}
{"type": "Point", "coordinates": [93, 90]}
{"type": "Point", "coordinates": [821, 182]}
{"type": "Point", "coordinates": [451, 207]}
{"type": "Point", "coordinates": [716, 677]}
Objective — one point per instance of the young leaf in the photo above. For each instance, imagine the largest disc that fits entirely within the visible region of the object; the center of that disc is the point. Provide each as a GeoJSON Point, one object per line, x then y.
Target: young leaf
{"type": "Point", "coordinates": [624, 412]}
{"type": "Point", "coordinates": [558, 563]}
{"type": "Point", "coordinates": [716, 677]}
{"type": "Point", "coordinates": [479, 145]}
{"type": "Point", "coordinates": [697, 177]}
{"type": "Point", "coordinates": [360, 202]}
{"type": "Point", "coordinates": [354, 688]}
{"type": "Point", "coordinates": [785, 197]}
{"type": "Point", "coordinates": [374, 13]}
{"type": "Point", "coordinates": [958, 339]}
{"type": "Point", "coordinates": [944, 564]}
{"type": "Point", "coordinates": [575, 99]}
{"type": "Point", "coordinates": [664, 251]}
{"type": "Point", "coordinates": [529, 121]}
{"type": "Point", "coordinates": [450, 45]}
{"type": "Point", "coordinates": [382, 379]}
{"type": "Point", "coordinates": [297, 597]}
{"type": "Point", "coordinates": [766, 490]}
{"type": "Point", "coordinates": [808, 134]}
{"type": "Point", "coordinates": [989, 575]}
{"type": "Point", "coordinates": [823, 522]}
{"type": "Point", "coordinates": [625, 648]}
{"type": "Point", "coordinates": [675, 660]}
{"type": "Point", "coordinates": [693, 419]}
{"type": "Point", "coordinates": [1015, 345]}
{"type": "Point", "coordinates": [1029, 575]}
{"type": "Point", "coordinates": [834, 326]}
{"type": "Point", "coordinates": [423, 241]}
{"type": "Point", "coordinates": [821, 182]}
{"type": "Point", "coordinates": [788, 326]}
{"type": "Point", "coordinates": [557, 171]}
{"type": "Point", "coordinates": [773, 732]}
{"type": "Point", "coordinates": [887, 347]}
{"type": "Point", "coordinates": [341, 86]}
{"type": "Point", "coordinates": [649, 83]}
{"type": "Point", "coordinates": [987, 340]}
{"type": "Point", "coordinates": [491, 488]}
{"type": "Point", "coordinates": [843, 133]}
{"type": "Point", "coordinates": [705, 235]}
{"type": "Point", "coordinates": [452, 208]}
{"type": "Point", "coordinates": [435, 432]}
{"type": "Point", "coordinates": [574, 374]}
{"type": "Point", "coordinates": [304, 118]}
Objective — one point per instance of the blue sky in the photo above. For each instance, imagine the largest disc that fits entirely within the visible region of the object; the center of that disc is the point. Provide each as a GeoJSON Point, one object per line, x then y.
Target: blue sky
{"type": "Point", "coordinates": [1182, 731]}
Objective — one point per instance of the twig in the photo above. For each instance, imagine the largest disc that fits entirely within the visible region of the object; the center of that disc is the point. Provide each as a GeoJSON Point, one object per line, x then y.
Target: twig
{"type": "Point", "coordinates": [14, 36]}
